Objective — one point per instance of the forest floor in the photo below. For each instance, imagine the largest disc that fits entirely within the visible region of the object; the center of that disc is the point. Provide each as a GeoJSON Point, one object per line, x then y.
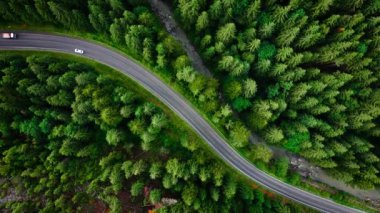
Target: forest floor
{"type": "Point", "coordinates": [306, 169]}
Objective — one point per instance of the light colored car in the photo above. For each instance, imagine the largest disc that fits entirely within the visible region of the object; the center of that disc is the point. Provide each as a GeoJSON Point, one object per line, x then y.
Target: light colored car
{"type": "Point", "coordinates": [78, 51]}
{"type": "Point", "coordinates": [8, 35]}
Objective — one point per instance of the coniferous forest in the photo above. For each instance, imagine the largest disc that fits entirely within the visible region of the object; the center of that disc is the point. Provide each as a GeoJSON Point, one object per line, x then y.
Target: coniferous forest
{"type": "Point", "coordinates": [303, 75]}
{"type": "Point", "coordinates": [73, 139]}
{"type": "Point", "coordinates": [132, 25]}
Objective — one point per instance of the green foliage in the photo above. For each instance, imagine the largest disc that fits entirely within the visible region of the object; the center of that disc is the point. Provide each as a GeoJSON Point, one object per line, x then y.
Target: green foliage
{"type": "Point", "coordinates": [314, 65]}
{"type": "Point", "coordinates": [273, 90]}
{"type": "Point", "coordinates": [155, 195]}
{"type": "Point", "coordinates": [189, 194]}
{"type": "Point", "coordinates": [282, 166]}
{"type": "Point", "coordinates": [132, 26]}
{"type": "Point", "coordinates": [261, 152]}
{"type": "Point", "coordinates": [226, 33]}
{"type": "Point", "coordinates": [105, 143]}
{"type": "Point", "coordinates": [239, 135]}
{"type": "Point", "coordinates": [266, 50]}
{"type": "Point", "coordinates": [233, 89]}
{"type": "Point", "coordinates": [114, 136]}
{"type": "Point", "coordinates": [250, 88]}
{"type": "Point", "coordinates": [230, 188]}
{"type": "Point", "coordinates": [137, 188]}
{"type": "Point", "coordinates": [110, 116]}
{"type": "Point", "coordinates": [273, 135]}
{"type": "Point", "coordinates": [264, 18]}
{"type": "Point", "coordinates": [362, 48]}
{"type": "Point", "coordinates": [202, 21]}
{"type": "Point", "coordinates": [295, 141]}
{"type": "Point", "coordinates": [240, 104]}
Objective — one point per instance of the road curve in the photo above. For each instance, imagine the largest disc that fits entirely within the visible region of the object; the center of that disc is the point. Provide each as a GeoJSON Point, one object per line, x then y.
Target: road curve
{"type": "Point", "coordinates": [48, 42]}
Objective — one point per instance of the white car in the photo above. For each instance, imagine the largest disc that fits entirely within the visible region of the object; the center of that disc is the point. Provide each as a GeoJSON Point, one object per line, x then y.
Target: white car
{"type": "Point", "coordinates": [78, 51]}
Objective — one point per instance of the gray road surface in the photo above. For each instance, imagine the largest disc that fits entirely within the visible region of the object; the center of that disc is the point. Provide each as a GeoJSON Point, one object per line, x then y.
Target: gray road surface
{"type": "Point", "coordinates": [47, 42]}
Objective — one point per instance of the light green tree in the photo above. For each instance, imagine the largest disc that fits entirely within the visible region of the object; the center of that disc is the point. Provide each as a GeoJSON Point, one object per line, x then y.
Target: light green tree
{"type": "Point", "coordinates": [136, 188]}
{"type": "Point", "coordinates": [250, 87]}
{"type": "Point", "coordinates": [230, 188]}
{"type": "Point", "coordinates": [273, 135]}
{"type": "Point", "coordinates": [261, 152]}
{"type": "Point", "coordinates": [233, 89]}
{"type": "Point", "coordinates": [110, 116]}
{"type": "Point", "coordinates": [115, 136]}
{"type": "Point", "coordinates": [117, 31]}
{"type": "Point", "coordinates": [189, 194]}
{"type": "Point", "coordinates": [239, 135]}
{"type": "Point", "coordinates": [226, 33]}
{"type": "Point", "coordinates": [202, 21]}
{"type": "Point", "coordinates": [155, 195]}
{"type": "Point", "coordinates": [155, 170]}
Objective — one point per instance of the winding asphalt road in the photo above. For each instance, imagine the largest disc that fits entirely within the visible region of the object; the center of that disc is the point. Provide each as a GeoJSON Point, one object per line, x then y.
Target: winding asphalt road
{"type": "Point", "coordinates": [47, 42]}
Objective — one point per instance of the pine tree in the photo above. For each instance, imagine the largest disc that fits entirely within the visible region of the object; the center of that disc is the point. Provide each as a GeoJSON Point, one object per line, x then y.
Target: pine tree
{"type": "Point", "coordinates": [189, 194]}
{"type": "Point", "coordinates": [239, 135]}
{"type": "Point", "coordinates": [155, 195]}
{"type": "Point", "coordinates": [189, 9]}
{"type": "Point", "coordinates": [233, 89]}
{"type": "Point", "coordinates": [282, 166]}
{"type": "Point", "coordinates": [111, 116]}
{"type": "Point", "coordinates": [273, 135]}
{"type": "Point", "coordinates": [115, 136]}
{"type": "Point", "coordinates": [253, 11]}
{"type": "Point", "coordinates": [262, 153]}
{"type": "Point", "coordinates": [215, 10]}
{"type": "Point", "coordinates": [285, 38]}
{"type": "Point", "coordinates": [202, 21]}
{"type": "Point", "coordinates": [117, 31]}
{"type": "Point", "coordinates": [230, 188]}
{"type": "Point", "coordinates": [280, 14]}
{"type": "Point", "coordinates": [321, 7]}
{"type": "Point", "coordinates": [215, 194]}
{"type": "Point", "coordinates": [155, 170]}
{"type": "Point", "coordinates": [136, 188]}
{"type": "Point", "coordinates": [138, 167]}
{"type": "Point", "coordinates": [226, 33]}
{"type": "Point", "coordinates": [253, 45]}
{"type": "Point", "coordinates": [267, 30]}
